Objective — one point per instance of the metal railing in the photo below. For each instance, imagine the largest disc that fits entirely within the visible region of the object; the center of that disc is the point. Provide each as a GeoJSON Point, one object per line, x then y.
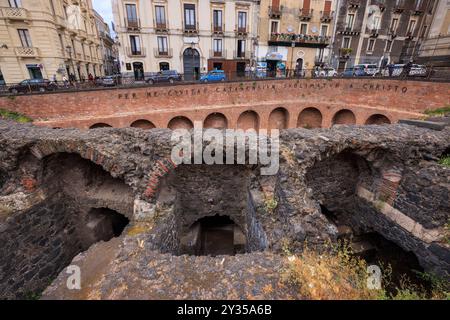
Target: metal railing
{"type": "Point", "coordinates": [128, 80]}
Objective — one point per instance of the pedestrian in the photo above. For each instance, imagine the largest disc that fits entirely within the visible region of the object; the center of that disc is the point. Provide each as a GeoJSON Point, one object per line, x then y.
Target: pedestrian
{"type": "Point", "coordinates": [247, 70]}
{"type": "Point", "coordinates": [391, 69]}
{"type": "Point", "coordinates": [65, 81]}
{"type": "Point", "coordinates": [90, 77]}
{"type": "Point", "coordinates": [54, 79]}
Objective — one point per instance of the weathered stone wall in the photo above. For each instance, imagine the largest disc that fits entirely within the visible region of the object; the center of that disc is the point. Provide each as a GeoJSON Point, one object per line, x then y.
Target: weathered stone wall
{"type": "Point", "coordinates": [384, 171]}
{"type": "Point", "coordinates": [159, 105]}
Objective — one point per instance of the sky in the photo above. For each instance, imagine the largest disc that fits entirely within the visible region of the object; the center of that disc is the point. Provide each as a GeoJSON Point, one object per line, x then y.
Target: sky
{"type": "Point", "coordinates": [104, 8]}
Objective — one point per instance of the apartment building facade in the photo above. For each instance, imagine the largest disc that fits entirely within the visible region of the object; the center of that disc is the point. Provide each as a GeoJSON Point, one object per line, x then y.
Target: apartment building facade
{"type": "Point", "coordinates": [190, 36]}
{"type": "Point", "coordinates": [435, 48]}
{"type": "Point", "coordinates": [295, 35]}
{"type": "Point", "coordinates": [48, 38]}
{"type": "Point", "coordinates": [108, 47]}
{"type": "Point", "coordinates": [380, 31]}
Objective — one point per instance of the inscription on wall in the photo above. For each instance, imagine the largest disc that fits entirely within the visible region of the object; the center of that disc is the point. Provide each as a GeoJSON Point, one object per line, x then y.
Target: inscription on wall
{"type": "Point", "coordinates": [261, 86]}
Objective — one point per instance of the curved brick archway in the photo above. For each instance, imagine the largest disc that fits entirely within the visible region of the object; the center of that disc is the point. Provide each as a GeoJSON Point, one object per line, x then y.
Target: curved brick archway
{"type": "Point", "coordinates": [143, 124]}
{"type": "Point", "coordinates": [310, 118]}
{"type": "Point", "coordinates": [248, 120]}
{"type": "Point", "coordinates": [100, 125]}
{"type": "Point", "coordinates": [344, 116]}
{"type": "Point", "coordinates": [216, 120]}
{"type": "Point", "coordinates": [180, 122]}
{"type": "Point", "coordinates": [279, 119]}
{"type": "Point", "coordinates": [378, 119]}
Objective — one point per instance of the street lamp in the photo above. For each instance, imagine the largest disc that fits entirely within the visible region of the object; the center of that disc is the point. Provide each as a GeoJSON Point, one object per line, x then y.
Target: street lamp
{"type": "Point", "coordinates": [292, 55]}
{"type": "Point", "coordinates": [193, 63]}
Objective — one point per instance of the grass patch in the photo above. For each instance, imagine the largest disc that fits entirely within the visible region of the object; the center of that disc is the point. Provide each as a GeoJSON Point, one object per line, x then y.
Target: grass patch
{"type": "Point", "coordinates": [438, 112]}
{"type": "Point", "coordinates": [15, 116]}
{"type": "Point", "coordinates": [445, 160]}
{"type": "Point", "coordinates": [339, 274]}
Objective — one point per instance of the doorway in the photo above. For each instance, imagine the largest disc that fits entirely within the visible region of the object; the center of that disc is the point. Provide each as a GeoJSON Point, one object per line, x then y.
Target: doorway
{"type": "Point", "coordinates": [240, 69]}
{"type": "Point", "coordinates": [299, 67]}
{"type": "Point", "coordinates": [138, 69]}
{"type": "Point", "coordinates": [191, 64]}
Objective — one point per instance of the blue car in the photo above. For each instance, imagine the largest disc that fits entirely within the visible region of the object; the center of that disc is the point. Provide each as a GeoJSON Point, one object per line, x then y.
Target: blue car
{"type": "Point", "coordinates": [214, 75]}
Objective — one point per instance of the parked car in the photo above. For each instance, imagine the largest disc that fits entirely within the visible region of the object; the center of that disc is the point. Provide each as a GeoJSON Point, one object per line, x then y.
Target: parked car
{"type": "Point", "coordinates": [327, 72]}
{"type": "Point", "coordinates": [164, 76]}
{"type": "Point", "coordinates": [213, 75]}
{"type": "Point", "coordinates": [347, 73]}
{"type": "Point", "coordinates": [110, 81]}
{"type": "Point", "coordinates": [36, 85]}
{"type": "Point", "coordinates": [367, 70]}
{"type": "Point", "coordinates": [417, 70]}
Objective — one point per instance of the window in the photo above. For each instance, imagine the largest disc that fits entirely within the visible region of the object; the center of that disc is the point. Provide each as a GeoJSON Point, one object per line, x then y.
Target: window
{"type": "Point", "coordinates": [346, 42]}
{"type": "Point", "coordinates": [135, 45]}
{"type": "Point", "coordinates": [160, 15]}
{"type": "Point", "coordinates": [25, 38]}
{"type": "Point", "coordinates": [164, 66]}
{"type": "Point", "coordinates": [274, 27]}
{"type": "Point", "coordinates": [424, 31]}
{"type": "Point", "coordinates": [241, 48]}
{"type": "Point", "coordinates": [189, 16]}
{"type": "Point", "coordinates": [217, 47]}
{"type": "Point", "coordinates": [303, 28]}
{"type": "Point", "coordinates": [2, 80]}
{"type": "Point", "coordinates": [242, 20]}
{"type": "Point", "coordinates": [162, 45]}
{"type": "Point", "coordinates": [371, 45]}
{"type": "Point", "coordinates": [15, 3]}
{"type": "Point", "coordinates": [394, 24]}
{"type": "Point", "coordinates": [217, 20]}
{"type": "Point", "coordinates": [324, 30]}
{"type": "Point", "coordinates": [411, 26]}
{"type": "Point", "coordinates": [419, 4]}
{"type": "Point", "coordinates": [389, 44]}
{"type": "Point", "coordinates": [376, 22]}
{"type": "Point", "coordinates": [61, 42]}
{"type": "Point", "coordinates": [131, 14]}
{"type": "Point", "coordinates": [73, 48]}
{"type": "Point", "coordinates": [350, 20]}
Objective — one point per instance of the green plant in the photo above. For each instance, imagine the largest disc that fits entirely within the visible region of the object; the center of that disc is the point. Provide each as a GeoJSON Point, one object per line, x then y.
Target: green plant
{"type": "Point", "coordinates": [271, 205]}
{"type": "Point", "coordinates": [15, 116]}
{"type": "Point", "coordinates": [438, 112]}
{"type": "Point", "coordinates": [445, 160]}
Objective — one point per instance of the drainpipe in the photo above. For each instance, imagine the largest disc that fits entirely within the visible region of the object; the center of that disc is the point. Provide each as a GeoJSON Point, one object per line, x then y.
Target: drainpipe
{"type": "Point", "coordinates": [363, 31]}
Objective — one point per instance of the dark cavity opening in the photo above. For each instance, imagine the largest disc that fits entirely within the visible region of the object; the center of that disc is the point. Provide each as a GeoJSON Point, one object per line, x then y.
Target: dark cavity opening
{"type": "Point", "coordinates": [217, 235]}
{"type": "Point", "coordinates": [106, 224]}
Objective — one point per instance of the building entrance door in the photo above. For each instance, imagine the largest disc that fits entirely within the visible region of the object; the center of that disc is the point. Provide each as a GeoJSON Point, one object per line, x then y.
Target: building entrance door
{"type": "Point", "coordinates": [191, 64]}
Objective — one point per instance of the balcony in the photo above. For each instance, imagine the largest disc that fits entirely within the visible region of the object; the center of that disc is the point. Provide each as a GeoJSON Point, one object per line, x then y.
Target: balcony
{"type": "Point", "coordinates": [60, 22]}
{"type": "Point", "coordinates": [344, 53]}
{"type": "Point", "coordinates": [399, 7]}
{"type": "Point", "coordinates": [410, 35]}
{"type": "Point", "coordinates": [374, 33]}
{"type": "Point", "coordinates": [159, 53]}
{"type": "Point", "coordinates": [392, 32]}
{"type": "Point", "coordinates": [275, 12]}
{"type": "Point", "coordinates": [348, 31]}
{"type": "Point", "coordinates": [217, 54]}
{"type": "Point", "coordinates": [419, 10]}
{"type": "Point", "coordinates": [82, 34]}
{"type": "Point", "coordinates": [299, 40]}
{"type": "Point", "coordinates": [241, 31]}
{"type": "Point", "coordinates": [190, 29]}
{"type": "Point", "coordinates": [161, 27]}
{"type": "Point", "coordinates": [27, 52]}
{"type": "Point", "coordinates": [218, 29]}
{"type": "Point", "coordinates": [305, 14]}
{"type": "Point", "coordinates": [15, 14]}
{"type": "Point", "coordinates": [354, 4]}
{"type": "Point", "coordinates": [242, 54]}
{"type": "Point", "coordinates": [326, 16]}
{"type": "Point", "coordinates": [132, 24]}
{"type": "Point", "coordinates": [135, 53]}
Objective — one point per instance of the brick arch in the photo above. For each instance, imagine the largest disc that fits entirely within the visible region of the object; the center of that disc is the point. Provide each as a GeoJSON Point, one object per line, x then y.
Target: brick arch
{"type": "Point", "coordinates": [143, 124]}
{"type": "Point", "coordinates": [279, 119]}
{"type": "Point", "coordinates": [378, 119]}
{"type": "Point", "coordinates": [310, 118]}
{"type": "Point", "coordinates": [248, 120]}
{"type": "Point", "coordinates": [180, 122]}
{"type": "Point", "coordinates": [344, 116]}
{"type": "Point", "coordinates": [216, 120]}
{"type": "Point", "coordinates": [100, 125]}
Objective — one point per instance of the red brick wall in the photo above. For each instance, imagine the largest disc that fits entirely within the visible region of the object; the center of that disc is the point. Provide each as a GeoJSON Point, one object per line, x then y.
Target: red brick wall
{"type": "Point", "coordinates": [121, 107]}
